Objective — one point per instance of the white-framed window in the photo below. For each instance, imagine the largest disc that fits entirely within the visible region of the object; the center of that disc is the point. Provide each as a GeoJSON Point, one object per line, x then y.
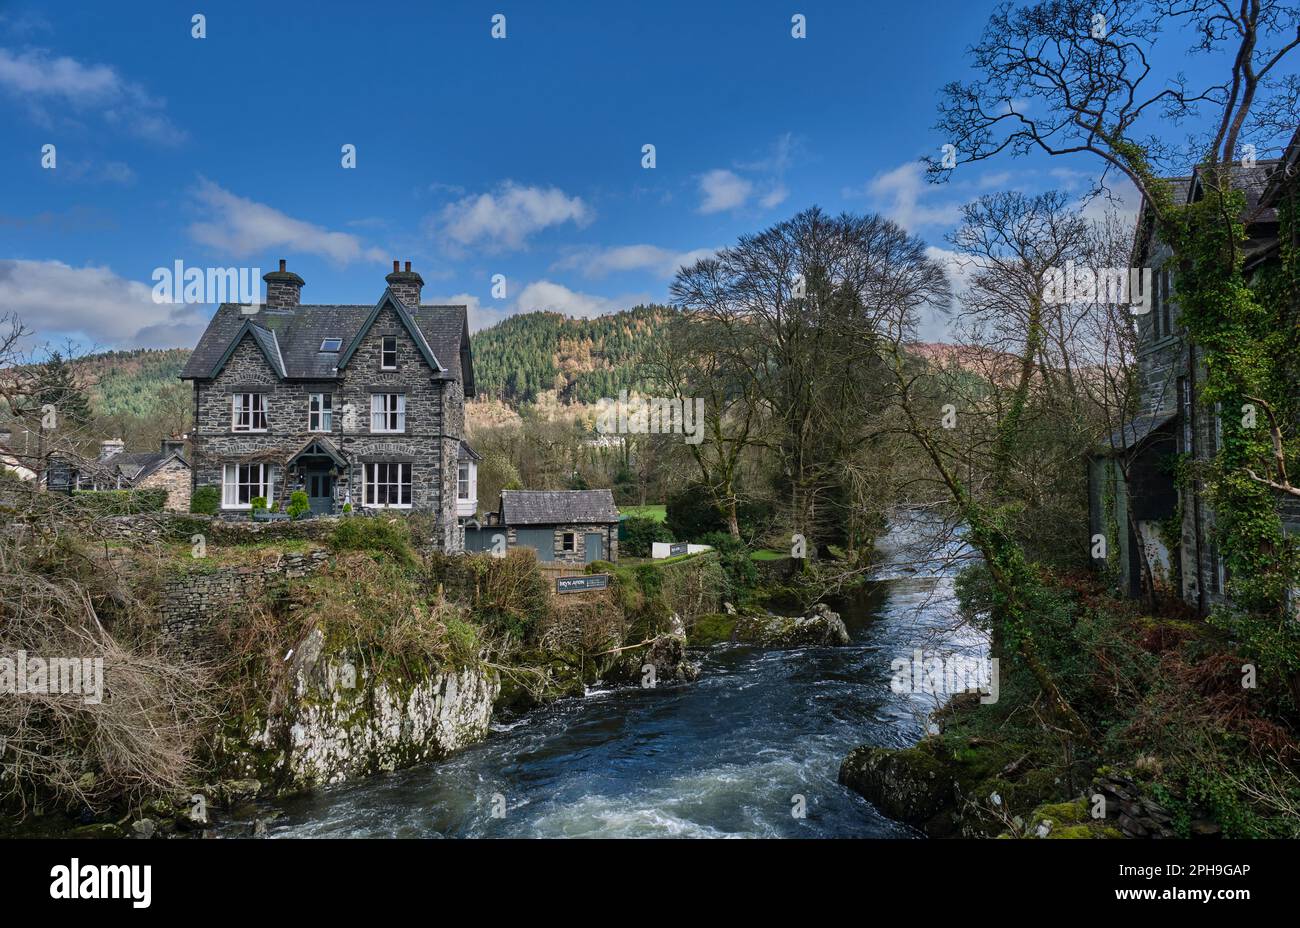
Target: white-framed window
{"type": "Point", "coordinates": [388, 353]}
{"type": "Point", "coordinates": [388, 412]}
{"type": "Point", "coordinates": [462, 480]}
{"type": "Point", "coordinates": [388, 484]}
{"type": "Point", "coordinates": [320, 417]}
{"type": "Point", "coordinates": [248, 412]}
{"type": "Point", "coordinates": [331, 345]}
{"type": "Point", "coordinates": [243, 483]}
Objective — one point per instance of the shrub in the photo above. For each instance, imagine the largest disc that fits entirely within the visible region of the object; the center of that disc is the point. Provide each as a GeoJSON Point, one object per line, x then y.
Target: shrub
{"type": "Point", "coordinates": [121, 502]}
{"type": "Point", "coordinates": [640, 533]}
{"type": "Point", "coordinates": [739, 567]}
{"type": "Point", "coordinates": [299, 505]}
{"type": "Point", "coordinates": [389, 538]}
{"type": "Point", "coordinates": [258, 504]}
{"type": "Point", "coordinates": [206, 501]}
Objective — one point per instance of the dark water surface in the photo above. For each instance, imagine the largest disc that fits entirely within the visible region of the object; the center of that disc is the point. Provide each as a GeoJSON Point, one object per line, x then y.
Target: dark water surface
{"type": "Point", "coordinates": [724, 756]}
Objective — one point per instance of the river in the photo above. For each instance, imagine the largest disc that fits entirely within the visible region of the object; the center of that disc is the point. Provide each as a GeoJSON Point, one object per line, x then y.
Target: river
{"type": "Point", "coordinates": [730, 755]}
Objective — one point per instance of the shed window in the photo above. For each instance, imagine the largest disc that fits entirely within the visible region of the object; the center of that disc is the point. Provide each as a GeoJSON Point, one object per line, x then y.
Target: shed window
{"type": "Point", "coordinates": [570, 542]}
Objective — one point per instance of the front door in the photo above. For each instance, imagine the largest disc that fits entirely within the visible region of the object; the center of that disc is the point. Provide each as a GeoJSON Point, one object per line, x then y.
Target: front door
{"type": "Point", "coordinates": [320, 492]}
{"type": "Point", "coordinates": [594, 544]}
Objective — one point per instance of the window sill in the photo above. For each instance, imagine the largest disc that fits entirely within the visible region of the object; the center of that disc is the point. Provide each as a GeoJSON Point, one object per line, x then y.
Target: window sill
{"type": "Point", "coordinates": [385, 505]}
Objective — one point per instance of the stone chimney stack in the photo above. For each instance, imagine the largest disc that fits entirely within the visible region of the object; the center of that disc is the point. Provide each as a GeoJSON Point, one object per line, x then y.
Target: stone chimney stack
{"type": "Point", "coordinates": [173, 445]}
{"type": "Point", "coordinates": [283, 288]}
{"type": "Point", "coordinates": [110, 447]}
{"type": "Point", "coordinates": [406, 285]}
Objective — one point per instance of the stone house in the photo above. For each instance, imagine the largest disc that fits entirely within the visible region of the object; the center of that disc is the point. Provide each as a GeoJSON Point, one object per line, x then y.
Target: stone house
{"type": "Point", "coordinates": [566, 527]}
{"type": "Point", "coordinates": [1175, 525]}
{"type": "Point", "coordinates": [118, 469]}
{"type": "Point", "coordinates": [362, 407]}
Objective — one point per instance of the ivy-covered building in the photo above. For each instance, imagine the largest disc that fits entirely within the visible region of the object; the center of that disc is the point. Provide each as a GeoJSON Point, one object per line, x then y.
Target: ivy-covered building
{"type": "Point", "coordinates": [1147, 497]}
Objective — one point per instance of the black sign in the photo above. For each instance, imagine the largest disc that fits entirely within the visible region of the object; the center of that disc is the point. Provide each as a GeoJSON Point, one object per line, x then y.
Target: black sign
{"type": "Point", "coordinates": [676, 548]}
{"type": "Point", "coordinates": [578, 584]}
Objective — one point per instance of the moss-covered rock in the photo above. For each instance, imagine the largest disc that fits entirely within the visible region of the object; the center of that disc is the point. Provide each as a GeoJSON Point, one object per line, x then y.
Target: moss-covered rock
{"type": "Point", "coordinates": [821, 627]}
{"type": "Point", "coordinates": [910, 785]}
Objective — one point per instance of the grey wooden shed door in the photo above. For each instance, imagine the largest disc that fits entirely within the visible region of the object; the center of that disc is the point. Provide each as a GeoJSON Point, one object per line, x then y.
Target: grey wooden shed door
{"type": "Point", "coordinates": [541, 540]}
{"type": "Point", "coordinates": [595, 547]}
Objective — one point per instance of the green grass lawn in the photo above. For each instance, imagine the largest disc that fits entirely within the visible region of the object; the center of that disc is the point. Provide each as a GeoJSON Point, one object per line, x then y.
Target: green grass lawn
{"type": "Point", "coordinates": [766, 554]}
{"type": "Point", "coordinates": [658, 513]}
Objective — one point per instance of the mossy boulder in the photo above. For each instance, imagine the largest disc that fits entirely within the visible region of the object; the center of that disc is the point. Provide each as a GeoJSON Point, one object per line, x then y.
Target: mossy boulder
{"type": "Point", "coordinates": [910, 785]}
{"type": "Point", "coordinates": [819, 628]}
{"type": "Point", "coordinates": [712, 628]}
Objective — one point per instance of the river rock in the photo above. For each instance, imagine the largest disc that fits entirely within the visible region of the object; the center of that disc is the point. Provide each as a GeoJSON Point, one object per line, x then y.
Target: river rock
{"type": "Point", "coordinates": [908, 785]}
{"type": "Point", "coordinates": [819, 628]}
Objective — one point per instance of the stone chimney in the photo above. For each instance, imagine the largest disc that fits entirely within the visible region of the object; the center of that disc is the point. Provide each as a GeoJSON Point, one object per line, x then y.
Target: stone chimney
{"type": "Point", "coordinates": [110, 447]}
{"type": "Point", "coordinates": [173, 445]}
{"type": "Point", "coordinates": [283, 288]}
{"type": "Point", "coordinates": [406, 285]}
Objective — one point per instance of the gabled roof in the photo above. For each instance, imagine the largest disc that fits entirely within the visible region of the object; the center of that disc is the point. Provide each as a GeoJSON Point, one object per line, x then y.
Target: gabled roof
{"type": "Point", "coordinates": [299, 331]}
{"type": "Point", "coordinates": [136, 465]}
{"type": "Point", "coordinates": [320, 446]}
{"type": "Point", "coordinates": [390, 299]}
{"type": "Point", "coordinates": [1253, 181]}
{"type": "Point", "coordinates": [554, 507]}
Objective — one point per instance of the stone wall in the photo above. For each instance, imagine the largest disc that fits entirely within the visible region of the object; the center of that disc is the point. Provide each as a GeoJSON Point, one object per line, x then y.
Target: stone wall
{"type": "Point", "coordinates": [192, 603]}
{"type": "Point", "coordinates": [176, 479]}
{"type": "Point", "coordinates": [578, 556]}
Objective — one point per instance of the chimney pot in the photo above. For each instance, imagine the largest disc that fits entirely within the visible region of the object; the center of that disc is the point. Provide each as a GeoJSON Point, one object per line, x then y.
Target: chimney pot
{"type": "Point", "coordinates": [396, 268]}
{"type": "Point", "coordinates": [282, 264]}
{"type": "Point", "coordinates": [408, 267]}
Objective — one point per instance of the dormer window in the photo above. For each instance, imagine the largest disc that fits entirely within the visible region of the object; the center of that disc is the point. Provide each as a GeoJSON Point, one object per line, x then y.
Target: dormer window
{"type": "Point", "coordinates": [331, 344]}
{"type": "Point", "coordinates": [388, 353]}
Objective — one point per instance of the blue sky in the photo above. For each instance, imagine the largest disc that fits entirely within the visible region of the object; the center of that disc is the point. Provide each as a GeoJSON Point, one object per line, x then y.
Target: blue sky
{"type": "Point", "coordinates": [475, 156]}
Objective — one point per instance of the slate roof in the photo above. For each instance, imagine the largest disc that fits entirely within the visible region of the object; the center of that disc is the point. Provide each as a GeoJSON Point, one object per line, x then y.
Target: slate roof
{"type": "Point", "coordinates": [1136, 431]}
{"type": "Point", "coordinates": [555, 507]}
{"type": "Point", "coordinates": [467, 453]}
{"type": "Point", "coordinates": [294, 336]}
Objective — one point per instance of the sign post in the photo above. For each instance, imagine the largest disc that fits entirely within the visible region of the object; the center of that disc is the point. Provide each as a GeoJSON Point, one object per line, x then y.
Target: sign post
{"type": "Point", "coordinates": [582, 583]}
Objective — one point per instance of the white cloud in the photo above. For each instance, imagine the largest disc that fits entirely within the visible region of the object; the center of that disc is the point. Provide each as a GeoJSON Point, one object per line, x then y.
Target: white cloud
{"type": "Point", "coordinates": [935, 325]}
{"type": "Point", "coordinates": [506, 218]}
{"type": "Point", "coordinates": [722, 190]}
{"type": "Point", "coordinates": [600, 262]}
{"type": "Point", "coordinates": [238, 226]}
{"type": "Point", "coordinates": [45, 83]}
{"type": "Point", "coordinates": [901, 195]}
{"type": "Point", "coordinates": [95, 305]}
